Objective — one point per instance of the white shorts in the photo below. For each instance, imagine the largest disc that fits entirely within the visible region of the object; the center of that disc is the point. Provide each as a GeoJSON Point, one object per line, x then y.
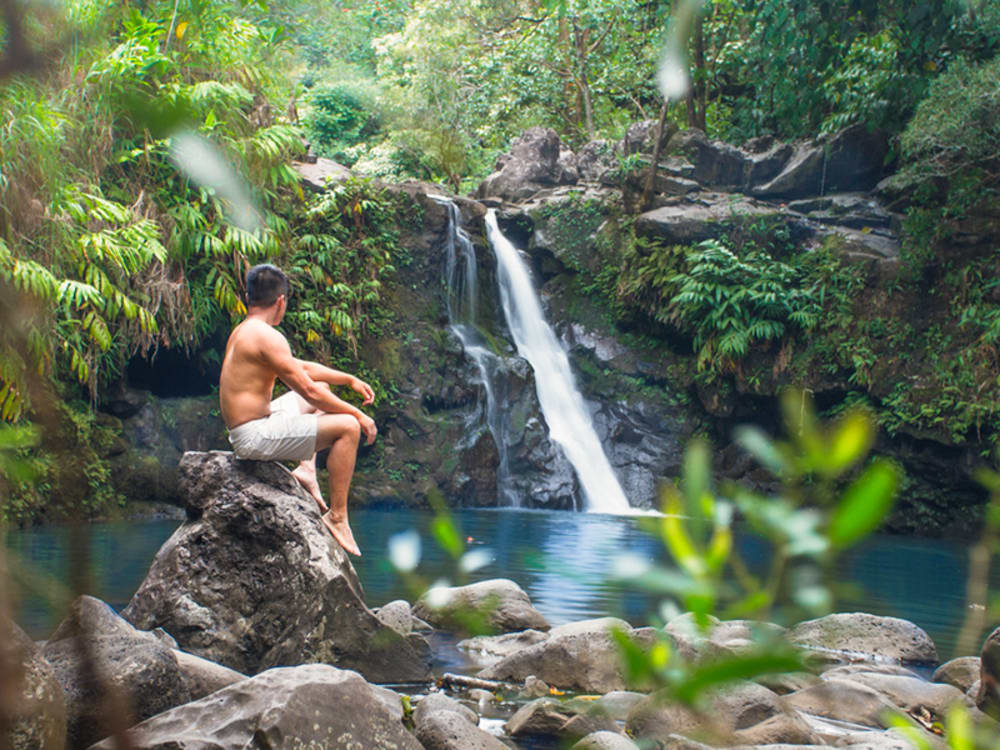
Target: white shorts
{"type": "Point", "coordinates": [285, 435]}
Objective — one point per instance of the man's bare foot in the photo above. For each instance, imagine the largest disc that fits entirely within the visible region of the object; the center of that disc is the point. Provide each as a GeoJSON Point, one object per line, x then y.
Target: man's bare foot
{"type": "Point", "coordinates": [343, 534]}
{"type": "Point", "coordinates": [308, 481]}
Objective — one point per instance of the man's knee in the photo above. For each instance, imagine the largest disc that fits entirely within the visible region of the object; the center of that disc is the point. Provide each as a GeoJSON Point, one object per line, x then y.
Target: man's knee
{"type": "Point", "coordinates": [353, 431]}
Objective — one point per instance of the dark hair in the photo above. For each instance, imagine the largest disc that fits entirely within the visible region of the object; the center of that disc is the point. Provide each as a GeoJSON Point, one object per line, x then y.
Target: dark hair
{"type": "Point", "coordinates": [265, 283]}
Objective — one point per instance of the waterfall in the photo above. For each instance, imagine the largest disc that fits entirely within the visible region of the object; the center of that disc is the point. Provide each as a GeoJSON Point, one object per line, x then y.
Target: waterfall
{"type": "Point", "coordinates": [461, 305]}
{"type": "Point", "coordinates": [562, 405]}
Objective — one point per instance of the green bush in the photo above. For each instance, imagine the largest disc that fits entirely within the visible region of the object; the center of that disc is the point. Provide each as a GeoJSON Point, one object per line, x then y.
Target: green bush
{"type": "Point", "coordinates": [337, 118]}
{"type": "Point", "coordinates": [956, 126]}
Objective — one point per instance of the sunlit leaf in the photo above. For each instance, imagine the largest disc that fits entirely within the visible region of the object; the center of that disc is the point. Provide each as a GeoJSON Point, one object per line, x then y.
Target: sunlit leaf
{"type": "Point", "coordinates": [851, 440]}
{"type": "Point", "coordinates": [447, 535]}
{"type": "Point", "coordinates": [743, 667]}
{"type": "Point", "coordinates": [865, 503]}
{"type": "Point", "coordinates": [761, 447]}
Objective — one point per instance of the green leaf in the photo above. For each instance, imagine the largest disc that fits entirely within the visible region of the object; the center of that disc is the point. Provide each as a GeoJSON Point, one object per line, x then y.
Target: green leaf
{"type": "Point", "coordinates": [865, 503]}
{"type": "Point", "coordinates": [743, 667]}
{"type": "Point", "coordinates": [447, 535]}
{"type": "Point", "coordinates": [852, 438]}
{"type": "Point", "coordinates": [755, 442]}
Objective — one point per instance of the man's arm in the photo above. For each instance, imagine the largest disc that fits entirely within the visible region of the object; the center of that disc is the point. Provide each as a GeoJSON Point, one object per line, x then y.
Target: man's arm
{"type": "Point", "coordinates": [322, 374]}
{"type": "Point", "coordinates": [292, 372]}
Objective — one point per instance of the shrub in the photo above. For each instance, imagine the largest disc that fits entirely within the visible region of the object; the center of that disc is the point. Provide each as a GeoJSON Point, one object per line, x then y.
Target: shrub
{"type": "Point", "coordinates": [338, 117]}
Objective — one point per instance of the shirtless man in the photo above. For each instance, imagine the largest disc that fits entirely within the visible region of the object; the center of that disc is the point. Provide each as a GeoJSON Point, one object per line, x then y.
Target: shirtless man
{"type": "Point", "coordinates": [305, 420]}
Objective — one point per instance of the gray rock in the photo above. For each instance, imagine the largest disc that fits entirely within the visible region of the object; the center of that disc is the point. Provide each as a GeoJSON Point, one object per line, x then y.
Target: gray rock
{"type": "Point", "coordinates": [711, 216]}
{"type": "Point", "coordinates": [618, 703]}
{"type": "Point", "coordinates": [961, 672]}
{"type": "Point", "coordinates": [801, 176]}
{"type": "Point", "coordinates": [34, 703]}
{"type": "Point", "coordinates": [396, 615]}
{"type": "Point", "coordinates": [446, 730]}
{"type": "Point", "coordinates": [856, 158]}
{"type": "Point", "coordinates": [596, 160]}
{"type": "Point", "coordinates": [143, 672]}
{"type": "Point", "coordinates": [988, 695]}
{"type": "Point", "coordinates": [605, 741]}
{"type": "Point", "coordinates": [319, 175]}
{"type": "Point", "coordinates": [783, 728]}
{"type": "Point", "coordinates": [486, 650]}
{"type": "Point", "coordinates": [737, 706]}
{"type": "Point", "coordinates": [501, 603]}
{"type": "Point", "coordinates": [716, 163]}
{"type": "Point", "coordinates": [640, 137]}
{"type": "Point", "coordinates": [531, 165]}
{"type": "Point", "coordinates": [885, 638]}
{"type": "Point", "coordinates": [783, 684]}
{"type": "Point", "coordinates": [543, 717]}
{"type": "Point", "coordinates": [221, 583]}
{"type": "Point", "coordinates": [152, 674]}
{"type": "Point", "coordinates": [845, 700]}
{"type": "Point", "coordinates": [578, 658]}
{"type": "Point", "coordinates": [314, 705]}
{"type": "Point", "coordinates": [203, 677]}
{"type": "Point", "coordinates": [437, 702]}
{"type": "Point", "coordinates": [911, 693]}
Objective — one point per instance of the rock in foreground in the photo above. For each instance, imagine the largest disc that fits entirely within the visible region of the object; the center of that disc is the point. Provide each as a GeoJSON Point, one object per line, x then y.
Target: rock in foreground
{"type": "Point", "coordinates": [253, 580]}
{"type": "Point", "coordinates": [34, 705]}
{"type": "Point", "coordinates": [311, 706]}
{"type": "Point", "coordinates": [499, 605]}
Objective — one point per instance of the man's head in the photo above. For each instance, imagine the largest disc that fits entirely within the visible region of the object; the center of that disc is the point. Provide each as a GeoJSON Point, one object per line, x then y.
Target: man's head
{"type": "Point", "coordinates": [265, 284]}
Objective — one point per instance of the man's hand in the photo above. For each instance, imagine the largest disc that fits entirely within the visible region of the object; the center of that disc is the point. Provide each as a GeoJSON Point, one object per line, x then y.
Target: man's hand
{"type": "Point", "coordinates": [368, 428]}
{"type": "Point", "coordinates": [365, 390]}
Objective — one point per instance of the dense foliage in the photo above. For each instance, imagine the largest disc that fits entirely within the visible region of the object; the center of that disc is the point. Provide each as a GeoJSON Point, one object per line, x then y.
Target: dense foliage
{"type": "Point", "coordinates": [114, 243]}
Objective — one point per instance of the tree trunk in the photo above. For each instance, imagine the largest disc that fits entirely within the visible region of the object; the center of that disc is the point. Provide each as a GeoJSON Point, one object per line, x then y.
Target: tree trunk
{"type": "Point", "coordinates": [647, 191]}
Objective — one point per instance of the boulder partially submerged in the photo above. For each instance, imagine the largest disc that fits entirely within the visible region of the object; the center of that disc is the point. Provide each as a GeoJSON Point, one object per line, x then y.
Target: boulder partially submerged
{"type": "Point", "coordinates": [313, 705]}
{"type": "Point", "coordinates": [254, 580]}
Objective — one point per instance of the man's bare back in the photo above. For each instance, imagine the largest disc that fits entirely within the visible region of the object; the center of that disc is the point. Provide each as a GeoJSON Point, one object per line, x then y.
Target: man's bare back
{"type": "Point", "coordinates": [247, 380]}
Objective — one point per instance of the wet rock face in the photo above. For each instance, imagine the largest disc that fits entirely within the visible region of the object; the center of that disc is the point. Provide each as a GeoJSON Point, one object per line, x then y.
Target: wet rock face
{"type": "Point", "coordinates": [315, 705]}
{"type": "Point", "coordinates": [253, 580]}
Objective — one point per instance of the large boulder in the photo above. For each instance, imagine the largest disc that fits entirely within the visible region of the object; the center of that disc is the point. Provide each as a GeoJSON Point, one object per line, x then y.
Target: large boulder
{"type": "Point", "coordinates": [735, 707]}
{"type": "Point", "coordinates": [253, 579]}
{"type": "Point", "coordinates": [499, 605]}
{"type": "Point", "coordinates": [961, 672]}
{"type": "Point", "coordinates": [532, 165]}
{"type": "Point", "coordinates": [314, 705]}
{"type": "Point", "coordinates": [446, 730]}
{"type": "Point", "coordinates": [34, 704]}
{"type": "Point", "coordinates": [861, 634]}
{"type": "Point", "coordinates": [579, 656]}
{"type": "Point", "coordinates": [988, 693]}
{"type": "Point", "coordinates": [716, 163]}
{"type": "Point", "coordinates": [144, 668]}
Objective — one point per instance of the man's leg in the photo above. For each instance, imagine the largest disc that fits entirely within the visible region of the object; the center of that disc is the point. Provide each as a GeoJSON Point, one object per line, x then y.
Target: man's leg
{"type": "Point", "coordinates": [342, 433]}
{"type": "Point", "coordinates": [305, 472]}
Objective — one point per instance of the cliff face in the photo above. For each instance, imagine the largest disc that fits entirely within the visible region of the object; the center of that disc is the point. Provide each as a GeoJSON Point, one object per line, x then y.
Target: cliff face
{"type": "Point", "coordinates": [645, 382]}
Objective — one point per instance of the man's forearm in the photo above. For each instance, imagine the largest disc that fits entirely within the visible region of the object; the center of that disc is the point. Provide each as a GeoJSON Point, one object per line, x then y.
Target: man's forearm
{"type": "Point", "coordinates": [325, 400]}
{"type": "Point", "coordinates": [323, 374]}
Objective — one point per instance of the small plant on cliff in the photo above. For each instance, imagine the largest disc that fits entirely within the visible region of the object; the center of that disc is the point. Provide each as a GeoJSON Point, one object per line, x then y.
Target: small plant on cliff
{"type": "Point", "coordinates": [732, 303]}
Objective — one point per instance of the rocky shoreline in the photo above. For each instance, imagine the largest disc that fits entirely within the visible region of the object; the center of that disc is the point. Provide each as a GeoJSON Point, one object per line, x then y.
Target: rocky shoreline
{"type": "Point", "coordinates": [251, 630]}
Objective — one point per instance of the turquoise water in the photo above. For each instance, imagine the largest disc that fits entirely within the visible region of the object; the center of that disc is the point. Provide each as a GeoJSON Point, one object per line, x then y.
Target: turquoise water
{"type": "Point", "coordinates": [561, 559]}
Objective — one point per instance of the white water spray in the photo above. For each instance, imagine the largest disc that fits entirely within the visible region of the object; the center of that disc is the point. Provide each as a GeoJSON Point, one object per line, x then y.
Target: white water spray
{"type": "Point", "coordinates": [462, 303]}
{"type": "Point", "coordinates": [569, 423]}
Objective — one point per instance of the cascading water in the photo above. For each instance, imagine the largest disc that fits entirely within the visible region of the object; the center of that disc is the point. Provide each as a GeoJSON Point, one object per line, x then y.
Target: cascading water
{"type": "Point", "coordinates": [462, 302]}
{"type": "Point", "coordinates": [561, 403]}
